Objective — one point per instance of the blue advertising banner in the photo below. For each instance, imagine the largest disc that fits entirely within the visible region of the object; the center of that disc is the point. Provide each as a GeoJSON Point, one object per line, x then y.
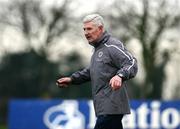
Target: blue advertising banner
{"type": "Point", "coordinates": [79, 114]}
{"type": "Point", "coordinates": [51, 114]}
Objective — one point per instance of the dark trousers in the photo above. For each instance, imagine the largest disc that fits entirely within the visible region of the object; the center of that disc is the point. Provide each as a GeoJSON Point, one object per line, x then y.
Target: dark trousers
{"type": "Point", "coordinates": [109, 122]}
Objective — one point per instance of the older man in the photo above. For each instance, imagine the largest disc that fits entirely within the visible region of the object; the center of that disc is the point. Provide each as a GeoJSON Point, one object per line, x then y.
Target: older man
{"type": "Point", "coordinates": [110, 67]}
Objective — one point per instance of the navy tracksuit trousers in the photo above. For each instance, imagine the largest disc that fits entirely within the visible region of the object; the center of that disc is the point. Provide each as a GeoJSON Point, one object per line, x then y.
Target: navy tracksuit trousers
{"type": "Point", "coordinates": [109, 122]}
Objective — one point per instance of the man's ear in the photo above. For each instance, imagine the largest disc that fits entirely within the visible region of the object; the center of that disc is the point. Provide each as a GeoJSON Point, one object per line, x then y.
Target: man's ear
{"type": "Point", "coordinates": [101, 28]}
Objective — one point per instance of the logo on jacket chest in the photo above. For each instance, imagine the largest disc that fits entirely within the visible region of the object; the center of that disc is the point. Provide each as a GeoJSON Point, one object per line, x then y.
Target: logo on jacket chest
{"type": "Point", "coordinates": [99, 56]}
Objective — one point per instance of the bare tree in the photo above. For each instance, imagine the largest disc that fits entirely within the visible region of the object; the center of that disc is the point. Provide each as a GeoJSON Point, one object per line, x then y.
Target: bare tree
{"type": "Point", "coordinates": [35, 23]}
{"type": "Point", "coordinates": [151, 23]}
{"type": "Point", "coordinates": [30, 73]}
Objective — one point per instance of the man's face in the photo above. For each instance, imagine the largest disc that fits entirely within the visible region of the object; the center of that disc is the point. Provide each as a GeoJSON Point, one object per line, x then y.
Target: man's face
{"type": "Point", "coordinates": [92, 32]}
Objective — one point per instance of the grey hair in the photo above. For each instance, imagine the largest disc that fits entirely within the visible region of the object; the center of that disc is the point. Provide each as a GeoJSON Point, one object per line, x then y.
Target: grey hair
{"type": "Point", "coordinates": [95, 18]}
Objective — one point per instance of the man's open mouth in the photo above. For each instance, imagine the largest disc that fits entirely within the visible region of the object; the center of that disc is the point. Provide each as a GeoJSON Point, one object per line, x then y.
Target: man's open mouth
{"type": "Point", "coordinates": [88, 37]}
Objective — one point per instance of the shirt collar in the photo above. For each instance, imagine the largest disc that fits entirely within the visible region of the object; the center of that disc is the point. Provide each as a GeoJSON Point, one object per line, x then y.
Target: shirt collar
{"type": "Point", "coordinates": [105, 36]}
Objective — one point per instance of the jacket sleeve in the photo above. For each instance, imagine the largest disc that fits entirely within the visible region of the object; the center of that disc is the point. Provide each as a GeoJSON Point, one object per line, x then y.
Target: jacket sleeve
{"type": "Point", "coordinates": [123, 60]}
{"type": "Point", "coordinates": [81, 76]}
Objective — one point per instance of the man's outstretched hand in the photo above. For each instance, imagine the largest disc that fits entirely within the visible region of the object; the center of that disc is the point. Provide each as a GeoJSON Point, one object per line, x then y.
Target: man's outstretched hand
{"type": "Point", "coordinates": [63, 82]}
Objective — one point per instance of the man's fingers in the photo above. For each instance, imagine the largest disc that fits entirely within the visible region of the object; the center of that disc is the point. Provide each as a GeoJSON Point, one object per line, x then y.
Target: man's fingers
{"type": "Point", "coordinates": [62, 85]}
{"type": "Point", "coordinates": [63, 82]}
{"type": "Point", "coordinates": [115, 84]}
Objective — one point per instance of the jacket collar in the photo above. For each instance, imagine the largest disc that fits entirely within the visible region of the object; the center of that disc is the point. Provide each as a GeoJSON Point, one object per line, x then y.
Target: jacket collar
{"type": "Point", "coordinates": [105, 36]}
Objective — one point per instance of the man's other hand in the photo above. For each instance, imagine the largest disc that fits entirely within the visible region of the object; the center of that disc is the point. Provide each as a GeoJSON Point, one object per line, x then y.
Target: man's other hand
{"type": "Point", "coordinates": [63, 82]}
{"type": "Point", "coordinates": [115, 82]}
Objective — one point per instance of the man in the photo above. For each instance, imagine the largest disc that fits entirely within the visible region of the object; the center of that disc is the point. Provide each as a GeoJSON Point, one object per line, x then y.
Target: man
{"type": "Point", "coordinates": [111, 66]}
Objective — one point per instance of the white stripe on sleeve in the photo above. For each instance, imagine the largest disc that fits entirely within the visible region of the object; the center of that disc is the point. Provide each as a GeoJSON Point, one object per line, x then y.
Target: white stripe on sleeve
{"type": "Point", "coordinates": [128, 56]}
